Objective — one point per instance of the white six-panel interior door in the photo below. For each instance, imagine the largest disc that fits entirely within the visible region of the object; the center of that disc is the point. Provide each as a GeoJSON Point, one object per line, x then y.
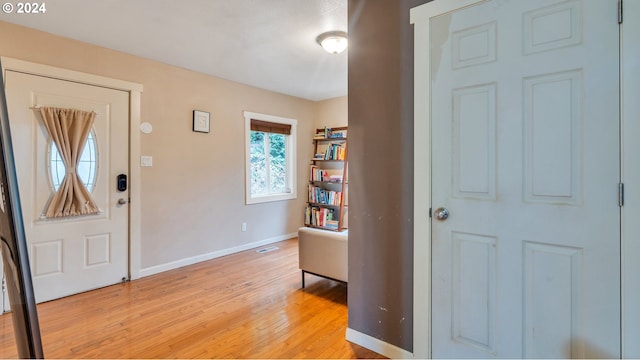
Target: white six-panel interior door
{"type": "Point", "coordinates": [522, 133]}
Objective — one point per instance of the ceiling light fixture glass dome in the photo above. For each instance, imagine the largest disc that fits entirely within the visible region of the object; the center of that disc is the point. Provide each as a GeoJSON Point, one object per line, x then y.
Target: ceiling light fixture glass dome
{"type": "Point", "coordinates": [333, 42]}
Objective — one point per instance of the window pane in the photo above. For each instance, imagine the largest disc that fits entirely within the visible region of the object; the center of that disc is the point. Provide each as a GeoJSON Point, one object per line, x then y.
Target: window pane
{"type": "Point", "coordinates": [87, 166]}
{"type": "Point", "coordinates": [58, 172]}
{"type": "Point", "coordinates": [258, 161]}
{"type": "Point", "coordinates": [87, 151]}
{"type": "Point", "coordinates": [277, 163]}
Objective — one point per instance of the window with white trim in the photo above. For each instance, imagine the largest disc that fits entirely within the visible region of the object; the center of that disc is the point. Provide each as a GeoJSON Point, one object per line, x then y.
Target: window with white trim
{"type": "Point", "coordinates": [270, 143]}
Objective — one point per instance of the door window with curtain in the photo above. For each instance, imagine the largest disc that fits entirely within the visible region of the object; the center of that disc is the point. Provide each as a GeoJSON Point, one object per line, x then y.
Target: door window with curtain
{"type": "Point", "coordinates": [70, 131]}
{"type": "Point", "coordinates": [87, 166]}
{"type": "Point", "coordinates": [270, 162]}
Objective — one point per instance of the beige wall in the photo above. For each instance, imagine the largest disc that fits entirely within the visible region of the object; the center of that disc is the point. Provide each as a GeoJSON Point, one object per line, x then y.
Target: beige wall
{"type": "Point", "coordinates": [332, 112]}
{"type": "Point", "coordinates": [193, 196]}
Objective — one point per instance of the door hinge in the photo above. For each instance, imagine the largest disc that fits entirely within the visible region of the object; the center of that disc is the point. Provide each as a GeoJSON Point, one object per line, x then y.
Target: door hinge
{"type": "Point", "coordinates": [429, 213]}
{"type": "Point", "coordinates": [620, 194]}
{"type": "Point", "coordinates": [619, 11]}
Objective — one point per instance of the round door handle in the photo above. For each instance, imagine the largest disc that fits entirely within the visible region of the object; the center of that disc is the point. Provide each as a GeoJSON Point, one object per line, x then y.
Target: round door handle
{"type": "Point", "coordinates": [441, 214]}
{"type": "Point", "coordinates": [122, 201]}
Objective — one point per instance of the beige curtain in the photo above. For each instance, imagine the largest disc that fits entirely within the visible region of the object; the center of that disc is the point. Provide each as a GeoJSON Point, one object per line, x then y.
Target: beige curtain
{"type": "Point", "coordinates": [69, 130]}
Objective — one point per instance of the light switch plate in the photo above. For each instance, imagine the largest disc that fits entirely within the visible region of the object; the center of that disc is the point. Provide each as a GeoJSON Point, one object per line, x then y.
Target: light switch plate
{"type": "Point", "coordinates": [146, 160]}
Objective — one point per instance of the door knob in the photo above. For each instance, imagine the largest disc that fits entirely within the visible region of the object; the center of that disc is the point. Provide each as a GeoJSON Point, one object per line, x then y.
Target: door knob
{"type": "Point", "coordinates": [122, 201]}
{"type": "Point", "coordinates": [441, 214]}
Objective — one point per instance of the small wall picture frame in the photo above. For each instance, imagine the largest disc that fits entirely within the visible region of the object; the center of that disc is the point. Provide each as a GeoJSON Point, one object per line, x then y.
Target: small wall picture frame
{"type": "Point", "coordinates": [201, 121]}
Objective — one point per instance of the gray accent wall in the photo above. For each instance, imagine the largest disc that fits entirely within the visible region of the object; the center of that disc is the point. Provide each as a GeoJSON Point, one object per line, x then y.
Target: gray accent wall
{"type": "Point", "coordinates": [381, 170]}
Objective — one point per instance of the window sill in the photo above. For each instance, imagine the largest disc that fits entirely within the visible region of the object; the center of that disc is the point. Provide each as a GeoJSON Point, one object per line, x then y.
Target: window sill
{"type": "Point", "coordinates": [270, 198]}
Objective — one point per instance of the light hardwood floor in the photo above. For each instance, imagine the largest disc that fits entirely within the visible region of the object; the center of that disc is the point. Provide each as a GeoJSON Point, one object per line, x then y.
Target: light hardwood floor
{"type": "Point", "coordinates": [246, 305]}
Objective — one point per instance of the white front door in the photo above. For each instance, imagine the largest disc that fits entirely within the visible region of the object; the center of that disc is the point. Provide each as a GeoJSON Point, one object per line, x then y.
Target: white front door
{"type": "Point", "coordinates": [525, 158]}
{"type": "Point", "coordinates": [71, 255]}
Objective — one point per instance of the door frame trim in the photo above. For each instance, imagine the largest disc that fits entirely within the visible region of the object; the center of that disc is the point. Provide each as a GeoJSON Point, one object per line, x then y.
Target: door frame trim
{"type": "Point", "coordinates": [630, 176]}
{"type": "Point", "coordinates": [134, 90]}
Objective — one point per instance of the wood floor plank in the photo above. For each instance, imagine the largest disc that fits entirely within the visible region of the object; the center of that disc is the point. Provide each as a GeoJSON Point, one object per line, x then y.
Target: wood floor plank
{"type": "Point", "coordinates": [242, 306]}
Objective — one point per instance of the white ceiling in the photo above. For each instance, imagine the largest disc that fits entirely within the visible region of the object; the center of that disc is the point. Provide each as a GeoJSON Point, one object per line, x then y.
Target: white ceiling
{"type": "Point", "coordinates": [269, 44]}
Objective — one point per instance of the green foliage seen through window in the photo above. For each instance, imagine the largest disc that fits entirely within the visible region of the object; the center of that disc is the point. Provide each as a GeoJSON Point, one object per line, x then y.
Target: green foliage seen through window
{"type": "Point", "coordinates": [268, 157]}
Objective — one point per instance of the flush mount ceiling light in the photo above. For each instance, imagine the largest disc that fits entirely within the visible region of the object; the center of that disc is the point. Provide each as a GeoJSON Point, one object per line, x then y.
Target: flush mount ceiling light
{"type": "Point", "coordinates": [333, 42]}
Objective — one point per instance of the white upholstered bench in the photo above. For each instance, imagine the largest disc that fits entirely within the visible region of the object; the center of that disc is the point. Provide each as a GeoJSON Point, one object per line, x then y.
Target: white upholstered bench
{"type": "Point", "coordinates": [323, 253]}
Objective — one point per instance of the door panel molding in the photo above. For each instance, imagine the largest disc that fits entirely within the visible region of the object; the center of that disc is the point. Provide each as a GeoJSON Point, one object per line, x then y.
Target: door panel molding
{"type": "Point", "coordinates": [420, 17]}
{"type": "Point", "coordinates": [563, 296]}
{"type": "Point", "coordinates": [630, 174]}
{"type": "Point", "coordinates": [134, 90]}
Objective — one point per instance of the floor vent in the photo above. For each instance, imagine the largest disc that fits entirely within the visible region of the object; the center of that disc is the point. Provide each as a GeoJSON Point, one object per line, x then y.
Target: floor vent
{"type": "Point", "coordinates": [267, 249]}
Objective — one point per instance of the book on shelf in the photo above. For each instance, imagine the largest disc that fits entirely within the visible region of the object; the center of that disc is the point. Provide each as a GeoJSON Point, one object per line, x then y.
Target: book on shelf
{"type": "Point", "coordinates": [317, 174]}
{"type": "Point", "coordinates": [338, 134]}
{"type": "Point", "coordinates": [323, 196]}
{"type": "Point", "coordinates": [328, 133]}
{"type": "Point", "coordinates": [322, 217]}
{"type": "Point", "coordinates": [321, 134]}
{"type": "Point", "coordinates": [335, 152]}
{"type": "Point", "coordinates": [331, 224]}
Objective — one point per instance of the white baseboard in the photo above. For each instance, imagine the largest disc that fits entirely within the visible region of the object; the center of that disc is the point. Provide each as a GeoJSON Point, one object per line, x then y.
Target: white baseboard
{"type": "Point", "coordinates": [212, 255]}
{"type": "Point", "coordinates": [377, 345]}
